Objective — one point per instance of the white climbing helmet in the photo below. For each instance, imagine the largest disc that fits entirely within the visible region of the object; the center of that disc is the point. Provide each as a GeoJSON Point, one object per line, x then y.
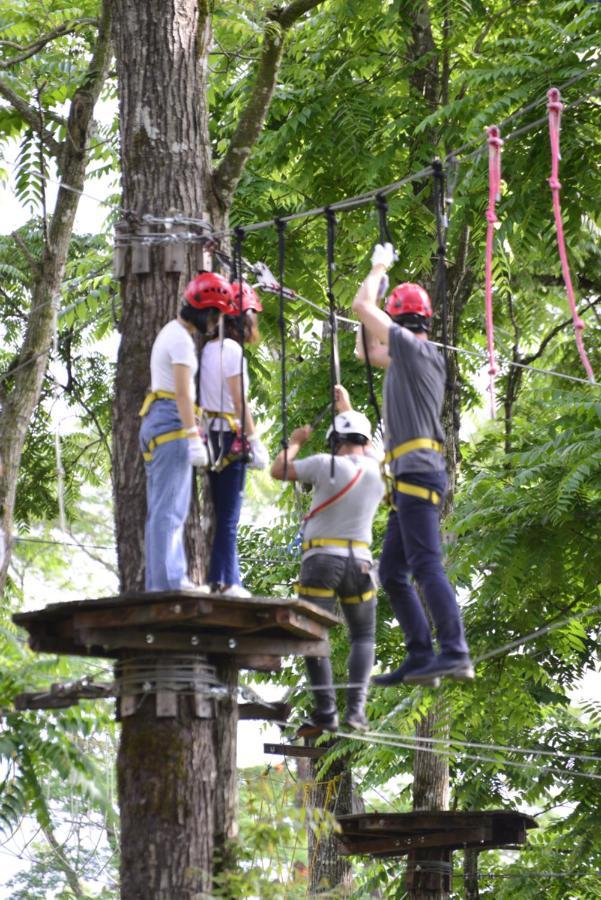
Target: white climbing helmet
{"type": "Point", "coordinates": [351, 422]}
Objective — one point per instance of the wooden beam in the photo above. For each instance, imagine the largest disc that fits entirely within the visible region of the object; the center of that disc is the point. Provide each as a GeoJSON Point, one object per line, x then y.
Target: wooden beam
{"type": "Point", "coordinates": [397, 844]}
{"type": "Point", "coordinates": [131, 639]}
{"type": "Point", "coordinates": [294, 750]}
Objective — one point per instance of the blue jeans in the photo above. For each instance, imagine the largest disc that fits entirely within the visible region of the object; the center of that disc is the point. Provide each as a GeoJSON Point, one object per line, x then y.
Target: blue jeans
{"type": "Point", "coordinates": [412, 546]}
{"type": "Point", "coordinates": [227, 489]}
{"type": "Point", "coordinates": [168, 494]}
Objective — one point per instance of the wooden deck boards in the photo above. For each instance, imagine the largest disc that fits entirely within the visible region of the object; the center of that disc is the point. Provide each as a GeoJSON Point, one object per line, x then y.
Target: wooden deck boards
{"type": "Point", "coordinates": [257, 631]}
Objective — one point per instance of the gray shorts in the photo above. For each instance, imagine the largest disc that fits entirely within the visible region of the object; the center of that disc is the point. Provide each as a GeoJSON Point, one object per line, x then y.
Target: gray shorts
{"type": "Point", "coordinates": [324, 577]}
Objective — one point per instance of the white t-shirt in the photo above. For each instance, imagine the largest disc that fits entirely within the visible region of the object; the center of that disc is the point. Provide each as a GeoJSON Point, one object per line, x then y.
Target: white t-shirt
{"type": "Point", "coordinates": [217, 365]}
{"type": "Point", "coordinates": [173, 346]}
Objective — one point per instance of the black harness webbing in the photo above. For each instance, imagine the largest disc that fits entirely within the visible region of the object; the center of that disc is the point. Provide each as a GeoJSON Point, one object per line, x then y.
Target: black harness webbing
{"type": "Point", "coordinates": [334, 354]}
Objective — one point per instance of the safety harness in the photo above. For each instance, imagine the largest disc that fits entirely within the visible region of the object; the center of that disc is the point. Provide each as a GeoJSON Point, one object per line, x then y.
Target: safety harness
{"type": "Point", "coordinates": [167, 436]}
{"type": "Point", "coordinates": [350, 545]}
{"type": "Point", "coordinates": [405, 487]}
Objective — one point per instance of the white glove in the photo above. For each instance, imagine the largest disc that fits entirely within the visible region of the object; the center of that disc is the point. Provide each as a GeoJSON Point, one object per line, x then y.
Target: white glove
{"type": "Point", "coordinates": [197, 452]}
{"type": "Point", "coordinates": [383, 255]}
{"type": "Point", "coordinates": [259, 457]}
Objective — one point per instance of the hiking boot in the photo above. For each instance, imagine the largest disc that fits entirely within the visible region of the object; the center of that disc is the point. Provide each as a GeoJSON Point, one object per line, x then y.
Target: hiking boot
{"type": "Point", "coordinates": [316, 724]}
{"type": "Point", "coordinates": [403, 674]}
{"type": "Point", "coordinates": [457, 666]}
{"type": "Point", "coordinates": [356, 721]}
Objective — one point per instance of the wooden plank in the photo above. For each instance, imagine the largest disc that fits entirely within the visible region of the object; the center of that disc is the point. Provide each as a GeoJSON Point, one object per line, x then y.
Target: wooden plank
{"type": "Point", "coordinates": [296, 751]}
{"type": "Point", "coordinates": [259, 662]}
{"type": "Point", "coordinates": [300, 624]}
{"type": "Point", "coordinates": [270, 712]}
{"type": "Point", "coordinates": [399, 844]}
{"type": "Point", "coordinates": [150, 614]}
{"type": "Point", "coordinates": [420, 822]}
{"type": "Point", "coordinates": [166, 704]}
{"type": "Point", "coordinates": [131, 639]}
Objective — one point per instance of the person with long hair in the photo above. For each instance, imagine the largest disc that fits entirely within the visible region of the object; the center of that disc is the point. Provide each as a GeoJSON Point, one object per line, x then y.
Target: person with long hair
{"type": "Point", "coordinates": [232, 437]}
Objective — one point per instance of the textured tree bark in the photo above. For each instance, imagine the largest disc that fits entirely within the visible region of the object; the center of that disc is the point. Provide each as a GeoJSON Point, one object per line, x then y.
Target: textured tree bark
{"type": "Point", "coordinates": [167, 773]}
{"type": "Point", "coordinates": [333, 793]}
{"type": "Point", "coordinates": [176, 810]}
{"type": "Point", "coordinates": [470, 874]}
{"type": "Point", "coordinates": [30, 366]}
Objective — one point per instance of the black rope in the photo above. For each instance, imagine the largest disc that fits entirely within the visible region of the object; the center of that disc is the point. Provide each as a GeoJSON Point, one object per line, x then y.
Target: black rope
{"type": "Point", "coordinates": [281, 228]}
{"type": "Point", "coordinates": [441, 252]}
{"type": "Point", "coordinates": [334, 356]}
{"type": "Point", "coordinates": [239, 235]}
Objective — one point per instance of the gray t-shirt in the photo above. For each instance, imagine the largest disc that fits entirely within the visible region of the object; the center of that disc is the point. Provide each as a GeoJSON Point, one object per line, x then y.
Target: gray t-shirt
{"type": "Point", "coordinates": [349, 518]}
{"type": "Point", "coordinates": [413, 396]}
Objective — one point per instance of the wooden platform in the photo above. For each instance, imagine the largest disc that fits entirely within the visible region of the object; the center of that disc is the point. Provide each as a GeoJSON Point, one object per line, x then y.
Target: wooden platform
{"type": "Point", "coordinates": [257, 631]}
{"type": "Point", "coordinates": [394, 834]}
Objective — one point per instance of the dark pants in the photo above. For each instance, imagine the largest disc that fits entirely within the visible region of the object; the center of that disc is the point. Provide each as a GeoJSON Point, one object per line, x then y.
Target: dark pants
{"type": "Point", "coordinates": [227, 488]}
{"type": "Point", "coordinates": [412, 547]}
{"type": "Point", "coordinates": [347, 578]}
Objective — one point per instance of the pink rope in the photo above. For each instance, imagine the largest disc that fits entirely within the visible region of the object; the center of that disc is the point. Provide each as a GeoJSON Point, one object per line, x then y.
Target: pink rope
{"type": "Point", "coordinates": [494, 186]}
{"type": "Point", "coordinates": [555, 107]}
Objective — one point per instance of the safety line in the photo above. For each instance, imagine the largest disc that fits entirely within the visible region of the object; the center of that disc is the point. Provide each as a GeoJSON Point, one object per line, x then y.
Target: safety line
{"type": "Point", "coordinates": [359, 199]}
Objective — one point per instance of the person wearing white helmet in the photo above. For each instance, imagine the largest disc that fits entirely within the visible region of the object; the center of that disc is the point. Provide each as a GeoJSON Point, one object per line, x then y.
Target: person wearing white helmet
{"type": "Point", "coordinates": [397, 340]}
{"type": "Point", "coordinates": [337, 560]}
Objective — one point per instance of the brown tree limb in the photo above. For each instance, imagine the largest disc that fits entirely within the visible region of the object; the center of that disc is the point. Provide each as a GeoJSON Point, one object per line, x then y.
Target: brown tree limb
{"type": "Point", "coordinates": [30, 50]}
{"type": "Point", "coordinates": [30, 115]}
{"type": "Point", "coordinates": [253, 116]}
{"type": "Point", "coordinates": [30, 370]}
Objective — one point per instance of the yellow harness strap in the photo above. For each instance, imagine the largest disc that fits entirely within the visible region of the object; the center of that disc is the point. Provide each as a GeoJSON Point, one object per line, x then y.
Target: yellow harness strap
{"type": "Point", "coordinates": [230, 418]}
{"type": "Point", "coordinates": [163, 439]}
{"type": "Point", "coordinates": [403, 487]}
{"type": "Point", "coordinates": [315, 592]}
{"type": "Point", "coordinates": [359, 598]}
{"type": "Point", "coordinates": [415, 444]}
{"type": "Point", "coordinates": [150, 398]}
{"type": "Point", "coordinates": [333, 542]}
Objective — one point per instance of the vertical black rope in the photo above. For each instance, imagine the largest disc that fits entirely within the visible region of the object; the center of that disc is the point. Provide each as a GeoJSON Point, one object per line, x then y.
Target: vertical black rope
{"type": "Point", "coordinates": [334, 356]}
{"type": "Point", "coordinates": [281, 227]}
{"type": "Point", "coordinates": [237, 276]}
{"type": "Point", "coordinates": [441, 252]}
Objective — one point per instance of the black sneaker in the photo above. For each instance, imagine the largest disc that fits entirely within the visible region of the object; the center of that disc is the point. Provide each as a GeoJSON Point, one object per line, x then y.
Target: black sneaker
{"type": "Point", "coordinates": [316, 724]}
{"type": "Point", "coordinates": [356, 721]}
{"type": "Point", "coordinates": [458, 666]}
{"type": "Point", "coordinates": [403, 674]}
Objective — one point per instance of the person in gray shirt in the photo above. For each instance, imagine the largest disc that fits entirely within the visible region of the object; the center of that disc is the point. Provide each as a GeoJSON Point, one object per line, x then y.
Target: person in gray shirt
{"type": "Point", "coordinates": [397, 340]}
{"type": "Point", "coordinates": [337, 559]}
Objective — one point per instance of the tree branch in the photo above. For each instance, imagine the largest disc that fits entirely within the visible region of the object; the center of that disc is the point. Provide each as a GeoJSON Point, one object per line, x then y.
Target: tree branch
{"type": "Point", "coordinates": [32, 117]}
{"type": "Point", "coordinates": [528, 360]}
{"type": "Point", "coordinates": [30, 49]}
{"type": "Point", "coordinates": [251, 119]}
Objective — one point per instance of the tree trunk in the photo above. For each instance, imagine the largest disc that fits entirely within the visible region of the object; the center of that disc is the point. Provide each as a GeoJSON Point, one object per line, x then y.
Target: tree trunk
{"type": "Point", "coordinates": [470, 874]}
{"type": "Point", "coordinates": [329, 872]}
{"type": "Point", "coordinates": [167, 775]}
{"type": "Point", "coordinates": [48, 272]}
{"type": "Point", "coordinates": [177, 783]}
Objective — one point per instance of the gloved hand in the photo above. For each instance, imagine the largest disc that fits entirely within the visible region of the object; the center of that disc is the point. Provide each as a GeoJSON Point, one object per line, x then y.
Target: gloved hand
{"type": "Point", "coordinates": [259, 458]}
{"type": "Point", "coordinates": [383, 255]}
{"type": "Point", "coordinates": [197, 452]}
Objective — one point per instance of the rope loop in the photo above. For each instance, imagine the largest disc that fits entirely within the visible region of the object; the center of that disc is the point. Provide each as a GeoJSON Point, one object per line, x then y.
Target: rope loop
{"type": "Point", "coordinates": [555, 107]}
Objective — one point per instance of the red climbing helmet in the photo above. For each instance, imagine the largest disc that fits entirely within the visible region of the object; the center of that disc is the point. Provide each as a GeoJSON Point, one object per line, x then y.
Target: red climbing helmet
{"type": "Point", "coordinates": [209, 290]}
{"type": "Point", "coordinates": [250, 299]}
{"type": "Point", "coordinates": [408, 298]}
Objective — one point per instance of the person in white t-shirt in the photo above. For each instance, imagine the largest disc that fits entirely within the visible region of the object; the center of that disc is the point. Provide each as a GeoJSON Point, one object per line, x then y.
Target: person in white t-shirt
{"type": "Point", "coordinates": [223, 397]}
{"type": "Point", "coordinates": [337, 560]}
{"type": "Point", "coordinates": [169, 436]}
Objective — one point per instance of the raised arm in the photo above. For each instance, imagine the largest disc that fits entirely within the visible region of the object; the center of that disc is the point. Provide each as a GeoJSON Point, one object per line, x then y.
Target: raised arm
{"type": "Point", "coordinates": [365, 305]}
{"type": "Point", "coordinates": [298, 437]}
